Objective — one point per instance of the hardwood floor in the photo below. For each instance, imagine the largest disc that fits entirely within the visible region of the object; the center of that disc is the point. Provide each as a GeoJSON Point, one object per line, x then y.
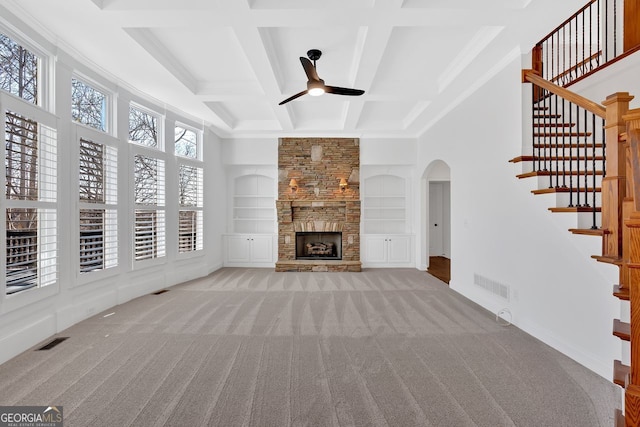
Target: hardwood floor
{"type": "Point", "coordinates": [440, 267]}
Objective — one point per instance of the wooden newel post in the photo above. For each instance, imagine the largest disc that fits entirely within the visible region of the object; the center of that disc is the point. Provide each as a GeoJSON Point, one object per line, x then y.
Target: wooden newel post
{"type": "Point", "coordinates": [632, 232]}
{"type": "Point", "coordinates": [614, 183]}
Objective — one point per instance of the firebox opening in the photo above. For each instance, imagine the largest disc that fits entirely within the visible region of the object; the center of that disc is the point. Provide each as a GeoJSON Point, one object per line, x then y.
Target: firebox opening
{"type": "Point", "coordinates": [319, 245]}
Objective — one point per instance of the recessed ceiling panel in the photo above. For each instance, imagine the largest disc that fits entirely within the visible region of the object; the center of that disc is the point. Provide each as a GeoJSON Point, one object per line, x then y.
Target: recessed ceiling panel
{"type": "Point", "coordinates": [314, 111]}
{"type": "Point", "coordinates": [209, 54]}
{"type": "Point", "coordinates": [385, 114]}
{"type": "Point", "coordinates": [415, 57]}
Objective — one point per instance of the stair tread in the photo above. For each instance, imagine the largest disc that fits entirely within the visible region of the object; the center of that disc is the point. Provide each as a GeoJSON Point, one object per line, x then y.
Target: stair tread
{"type": "Point", "coordinates": [530, 158]}
{"type": "Point", "coordinates": [566, 190]}
{"type": "Point", "coordinates": [620, 372]}
{"type": "Point", "coordinates": [621, 293]}
{"type": "Point", "coordinates": [607, 259]}
{"type": "Point", "coordinates": [589, 231]}
{"type": "Point", "coordinates": [559, 134]}
{"type": "Point", "coordinates": [572, 145]}
{"type": "Point", "coordinates": [576, 209]}
{"type": "Point", "coordinates": [547, 173]}
{"type": "Point", "coordinates": [547, 116]}
{"type": "Point", "coordinates": [555, 125]}
{"type": "Point", "coordinates": [622, 329]}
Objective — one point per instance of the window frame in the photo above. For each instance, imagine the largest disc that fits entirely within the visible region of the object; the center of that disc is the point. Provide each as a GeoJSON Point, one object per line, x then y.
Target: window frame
{"type": "Point", "coordinates": [46, 74]}
{"type": "Point", "coordinates": [88, 133]}
{"type": "Point", "coordinates": [160, 121]}
{"type": "Point", "coordinates": [33, 112]}
{"type": "Point", "coordinates": [109, 97]}
{"type": "Point", "coordinates": [198, 133]}
{"type": "Point", "coordinates": [198, 208]}
{"type": "Point", "coordinates": [141, 150]}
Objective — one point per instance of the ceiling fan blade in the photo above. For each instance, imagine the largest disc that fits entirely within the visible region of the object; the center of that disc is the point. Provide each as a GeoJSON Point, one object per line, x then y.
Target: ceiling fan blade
{"type": "Point", "coordinates": [291, 98]}
{"type": "Point", "coordinates": [309, 69]}
{"type": "Point", "coordinates": [343, 91]}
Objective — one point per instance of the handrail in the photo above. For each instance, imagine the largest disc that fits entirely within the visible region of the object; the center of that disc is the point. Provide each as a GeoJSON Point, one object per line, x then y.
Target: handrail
{"type": "Point", "coordinates": [597, 109]}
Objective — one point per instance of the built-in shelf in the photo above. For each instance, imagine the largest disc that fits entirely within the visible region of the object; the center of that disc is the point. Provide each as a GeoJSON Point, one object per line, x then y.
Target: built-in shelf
{"type": "Point", "coordinates": [253, 209]}
{"type": "Point", "coordinates": [384, 205]}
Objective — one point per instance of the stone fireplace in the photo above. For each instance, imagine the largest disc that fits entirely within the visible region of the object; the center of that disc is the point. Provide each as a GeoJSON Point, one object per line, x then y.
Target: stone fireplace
{"type": "Point", "coordinates": [318, 218]}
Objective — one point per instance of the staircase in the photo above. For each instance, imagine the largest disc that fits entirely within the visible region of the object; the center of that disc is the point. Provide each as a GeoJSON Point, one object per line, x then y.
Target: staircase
{"type": "Point", "coordinates": [567, 157]}
{"type": "Point", "coordinates": [588, 155]}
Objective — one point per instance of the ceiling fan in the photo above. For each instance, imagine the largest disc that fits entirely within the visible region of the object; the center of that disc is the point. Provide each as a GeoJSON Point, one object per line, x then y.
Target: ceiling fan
{"type": "Point", "coordinates": [315, 85]}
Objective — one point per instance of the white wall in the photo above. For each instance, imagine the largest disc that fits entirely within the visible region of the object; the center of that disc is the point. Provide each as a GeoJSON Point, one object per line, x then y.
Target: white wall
{"type": "Point", "coordinates": [504, 233]}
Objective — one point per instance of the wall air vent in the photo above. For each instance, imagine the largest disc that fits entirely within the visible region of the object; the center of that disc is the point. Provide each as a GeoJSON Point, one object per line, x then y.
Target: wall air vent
{"type": "Point", "coordinates": [496, 288]}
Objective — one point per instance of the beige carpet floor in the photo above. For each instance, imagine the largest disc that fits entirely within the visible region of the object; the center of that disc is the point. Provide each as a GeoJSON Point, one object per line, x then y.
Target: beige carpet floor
{"type": "Point", "coordinates": [251, 347]}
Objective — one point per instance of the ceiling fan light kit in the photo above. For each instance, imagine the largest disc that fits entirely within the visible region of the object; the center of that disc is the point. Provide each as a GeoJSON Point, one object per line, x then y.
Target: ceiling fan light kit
{"type": "Point", "coordinates": [315, 85]}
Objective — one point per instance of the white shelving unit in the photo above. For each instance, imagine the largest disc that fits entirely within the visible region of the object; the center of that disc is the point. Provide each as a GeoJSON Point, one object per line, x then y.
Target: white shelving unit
{"type": "Point", "coordinates": [254, 205]}
{"type": "Point", "coordinates": [385, 238]}
{"type": "Point", "coordinates": [253, 222]}
{"type": "Point", "coordinates": [384, 205]}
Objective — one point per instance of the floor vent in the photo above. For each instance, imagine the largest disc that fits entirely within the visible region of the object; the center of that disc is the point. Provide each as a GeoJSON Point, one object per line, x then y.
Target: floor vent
{"type": "Point", "coordinates": [496, 288]}
{"type": "Point", "coordinates": [161, 292]}
{"type": "Point", "coordinates": [52, 344]}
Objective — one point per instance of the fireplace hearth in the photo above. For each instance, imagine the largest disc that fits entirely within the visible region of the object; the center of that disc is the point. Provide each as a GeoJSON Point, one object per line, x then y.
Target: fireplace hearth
{"type": "Point", "coordinates": [319, 245]}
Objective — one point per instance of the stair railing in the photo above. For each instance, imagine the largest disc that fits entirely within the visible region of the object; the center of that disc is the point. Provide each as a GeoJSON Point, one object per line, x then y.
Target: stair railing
{"type": "Point", "coordinates": [568, 143]}
{"type": "Point", "coordinates": [588, 40]}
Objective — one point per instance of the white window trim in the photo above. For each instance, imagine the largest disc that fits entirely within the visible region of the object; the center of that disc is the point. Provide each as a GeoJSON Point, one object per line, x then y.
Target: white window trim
{"type": "Point", "coordinates": [160, 125]}
{"type": "Point", "coordinates": [109, 101]}
{"type": "Point", "coordinates": [199, 137]}
{"type": "Point", "coordinates": [21, 299]}
{"type": "Point", "coordinates": [92, 134]}
{"type": "Point", "coordinates": [136, 149]}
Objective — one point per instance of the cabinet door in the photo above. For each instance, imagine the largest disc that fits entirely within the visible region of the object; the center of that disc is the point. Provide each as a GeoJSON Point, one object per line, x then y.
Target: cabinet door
{"type": "Point", "coordinates": [374, 249]}
{"type": "Point", "coordinates": [398, 249]}
{"type": "Point", "coordinates": [261, 249]}
{"type": "Point", "coordinates": [238, 248]}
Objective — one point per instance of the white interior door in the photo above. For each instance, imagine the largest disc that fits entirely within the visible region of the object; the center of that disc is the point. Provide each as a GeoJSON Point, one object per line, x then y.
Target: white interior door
{"type": "Point", "coordinates": [436, 226]}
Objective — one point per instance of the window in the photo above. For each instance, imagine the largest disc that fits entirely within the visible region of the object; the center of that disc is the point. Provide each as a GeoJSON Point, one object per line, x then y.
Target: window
{"type": "Point", "coordinates": [143, 128]}
{"type": "Point", "coordinates": [30, 191]}
{"type": "Point", "coordinates": [149, 219]}
{"type": "Point", "coordinates": [98, 214]}
{"type": "Point", "coordinates": [190, 214]}
{"type": "Point", "coordinates": [88, 105]}
{"type": "Point", "coordinates": [18, 70]}
{"type": "Point", "coordinates": [186, 143]}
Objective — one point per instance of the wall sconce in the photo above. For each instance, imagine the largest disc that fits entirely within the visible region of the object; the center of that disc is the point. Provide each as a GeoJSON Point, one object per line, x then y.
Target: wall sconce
{"type": "Point", "coordinates": [293, 184]}
{"type": "Point", "coordinates": [343, 184]}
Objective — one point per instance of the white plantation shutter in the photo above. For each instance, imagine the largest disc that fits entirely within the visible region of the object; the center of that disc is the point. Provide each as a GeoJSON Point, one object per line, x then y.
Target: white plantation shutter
{"type": "Point", "coordinates": [149, 214]}
{"type": "Point", "coordinates": [190, 217]}
{"type": "Point", "coordinates": [30, 225]}
{"type": "Point", "coordinates": [98, 211]}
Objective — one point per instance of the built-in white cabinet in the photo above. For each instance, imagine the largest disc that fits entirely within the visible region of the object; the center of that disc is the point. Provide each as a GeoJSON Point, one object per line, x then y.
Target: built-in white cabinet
{"type": "Point", "coordinates": [386, 240]}
{"type": "Point", "coordinates": [252, 221]}
{"type": "Point", "coordinates": [392, 250]}
{"type": "Point", "coordinates": [248, 250]}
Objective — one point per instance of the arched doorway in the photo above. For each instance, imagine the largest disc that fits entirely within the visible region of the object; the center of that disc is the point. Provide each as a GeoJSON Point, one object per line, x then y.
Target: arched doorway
{"type": "Point", "coordinates": [437, 224]}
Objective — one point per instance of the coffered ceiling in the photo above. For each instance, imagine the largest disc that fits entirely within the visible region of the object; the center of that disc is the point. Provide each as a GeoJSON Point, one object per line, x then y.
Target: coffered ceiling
{"type": "Point", "coordinates": [230, 62]}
